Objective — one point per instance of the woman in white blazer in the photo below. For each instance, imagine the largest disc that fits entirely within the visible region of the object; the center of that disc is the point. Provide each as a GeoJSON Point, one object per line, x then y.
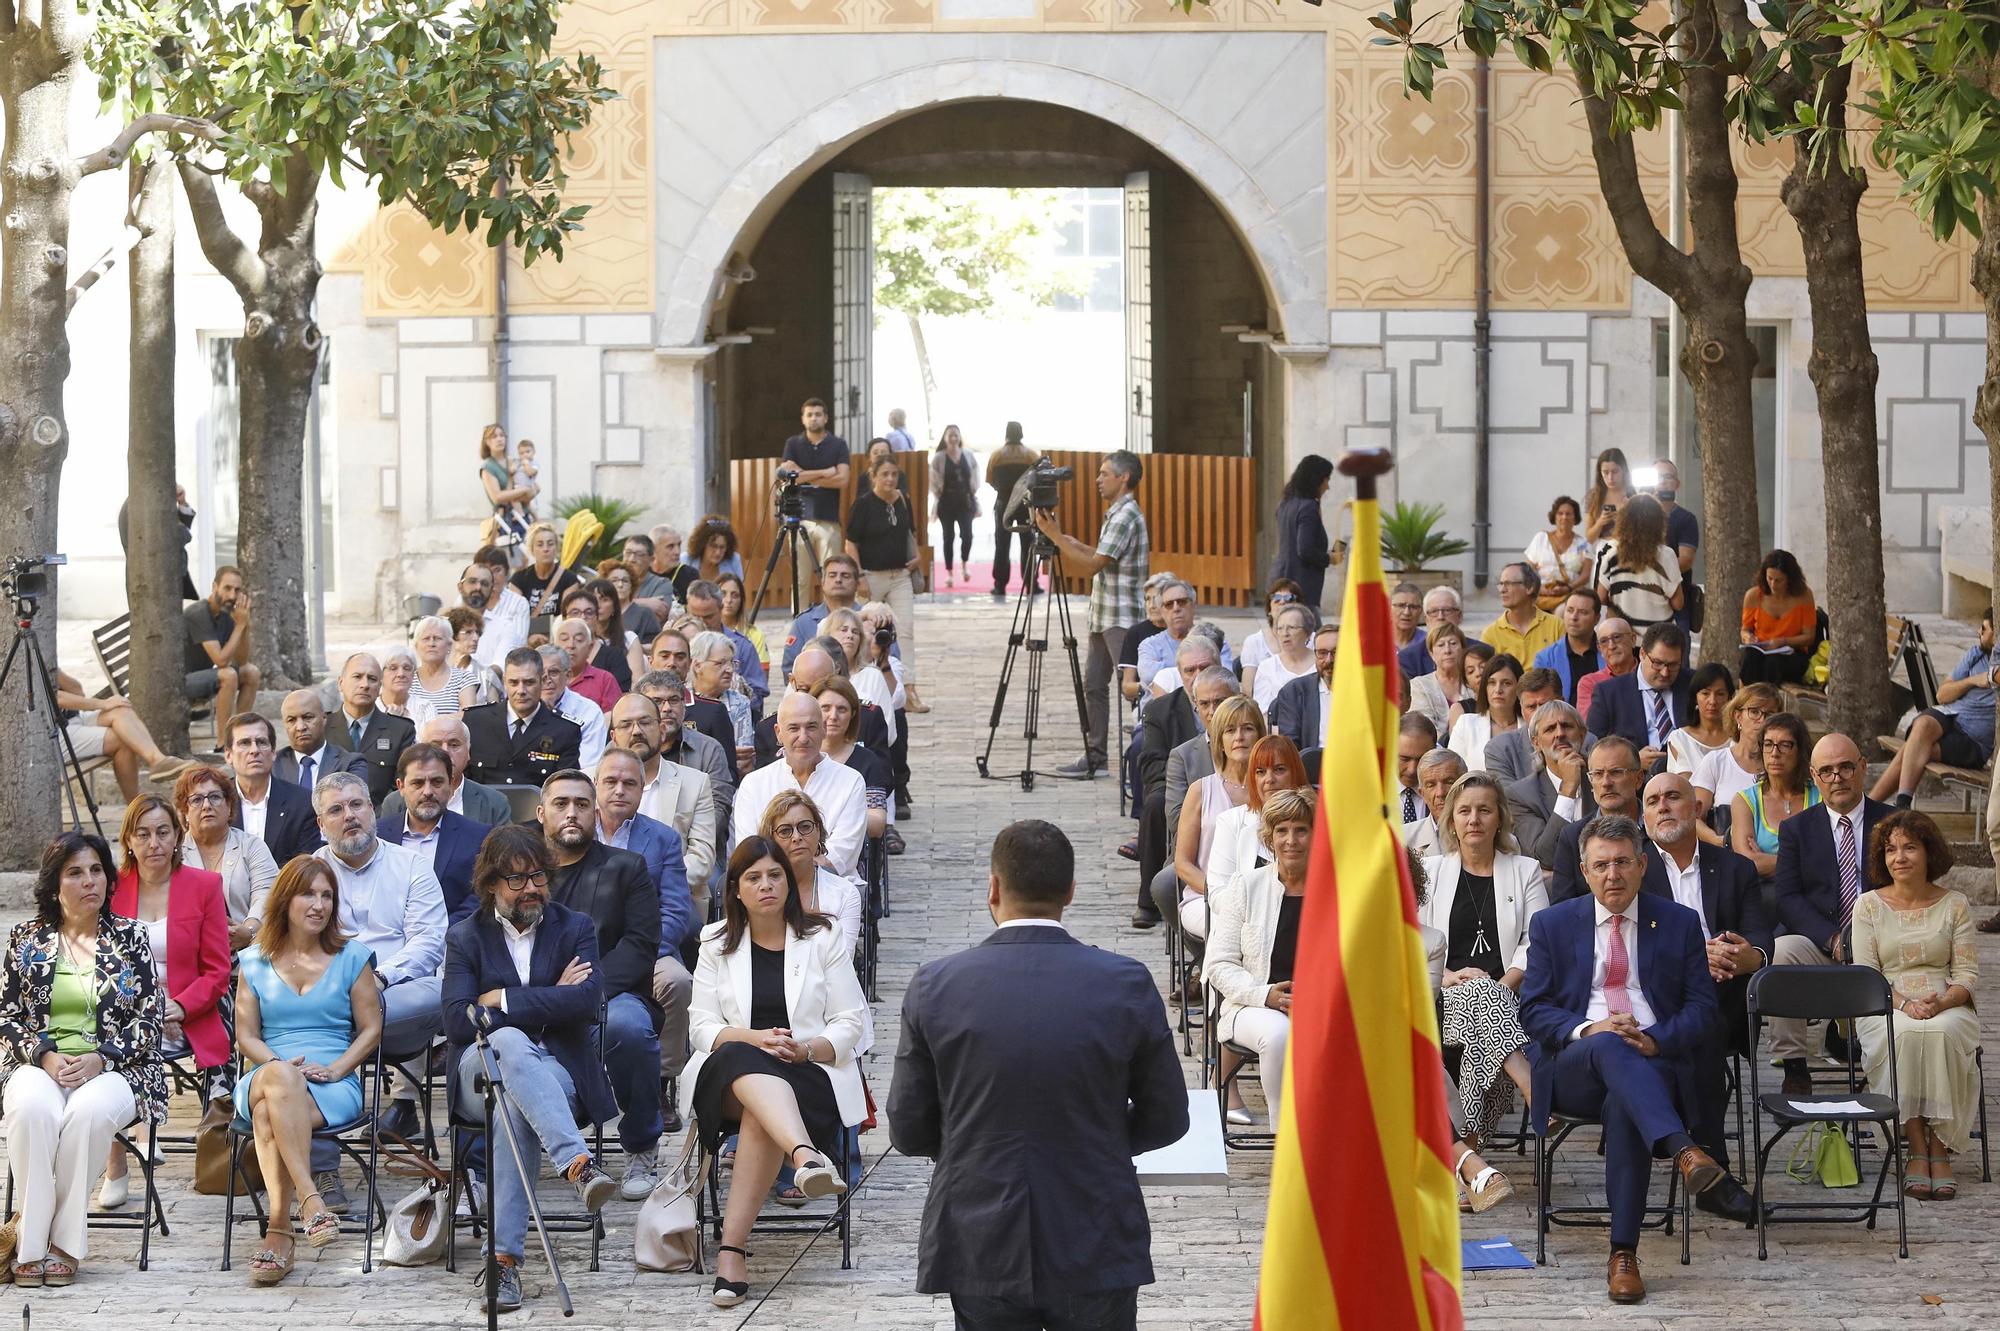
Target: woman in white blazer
{"type": "Point", "coordinates": [1252, 944]}
{"type": "Point", "coordinates": [1482, 895]}
{"type": "Point", "coordinates": [775, 1018]}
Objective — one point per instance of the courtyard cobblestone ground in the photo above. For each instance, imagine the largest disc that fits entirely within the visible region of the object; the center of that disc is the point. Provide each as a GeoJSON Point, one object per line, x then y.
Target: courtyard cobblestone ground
{"type": "Point", "coordinates": [1206, 1241]}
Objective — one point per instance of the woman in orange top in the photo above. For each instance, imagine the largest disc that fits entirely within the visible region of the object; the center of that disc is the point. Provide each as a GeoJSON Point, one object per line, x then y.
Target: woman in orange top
{"type": "Point", "coordinates": [1778, 613]}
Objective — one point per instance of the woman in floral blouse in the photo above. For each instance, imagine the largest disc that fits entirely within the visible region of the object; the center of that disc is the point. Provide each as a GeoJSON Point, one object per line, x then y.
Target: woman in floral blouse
{"type": "Point", "coordinates": [80, 1015]}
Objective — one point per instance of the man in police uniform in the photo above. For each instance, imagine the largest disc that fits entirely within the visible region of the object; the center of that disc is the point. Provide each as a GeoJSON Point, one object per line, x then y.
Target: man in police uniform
{"type": "Point", "coordinates": [520, 741]}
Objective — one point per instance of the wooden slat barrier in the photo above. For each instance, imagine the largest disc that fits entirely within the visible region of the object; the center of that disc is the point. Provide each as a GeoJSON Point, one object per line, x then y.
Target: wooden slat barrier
{"type": "Point", "coordinates": [1200, 512]}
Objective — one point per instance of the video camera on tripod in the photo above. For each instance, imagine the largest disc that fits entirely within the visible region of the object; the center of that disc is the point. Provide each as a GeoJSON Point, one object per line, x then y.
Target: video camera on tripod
{"type": "Point", "coordinates": [24, 580]}
{"type": "Point", "coordinates": [791, 502]}
{"type": "Point", "coordinates": [1040, 487]}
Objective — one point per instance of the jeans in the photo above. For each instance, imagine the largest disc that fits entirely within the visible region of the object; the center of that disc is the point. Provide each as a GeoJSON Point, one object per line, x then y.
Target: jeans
{"type": "Point", "coordinates": [964, 526]}
{"type": "Point", "coordinates": [1003, 548]}
{"type": "Point", "coordinates": [1105, 645]}
{"type": "Point", "coordinates": [541, 1106]}
{"type": "Point", "coordinates": [632, 1059]}
{"type": "Point", "coordinates": [1099, 1310]}
{"type": "Point", "coordinates": [412, 1016]}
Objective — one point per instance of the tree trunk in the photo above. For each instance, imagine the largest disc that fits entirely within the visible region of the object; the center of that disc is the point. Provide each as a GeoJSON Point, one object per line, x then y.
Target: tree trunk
{"type": "Point", "coordinates": [1986, 411]}
{"type": "Point", "coordinates": [36, 177]}
{"type": "Point", "coordinates": [1825, 202]}
{"type": "Point", "coordinates": [153, 549]}
{"type": "Point", "coordinates": [923, 365]}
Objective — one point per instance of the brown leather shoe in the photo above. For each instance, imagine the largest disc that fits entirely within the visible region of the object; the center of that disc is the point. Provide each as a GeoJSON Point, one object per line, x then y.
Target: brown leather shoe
{"type": "Point", "coordinates": [1622, 1278]}
{"type": "Point", "coordinates": [1698, 1170]}
{"type": "Point", "coordinates": [1991, 924]}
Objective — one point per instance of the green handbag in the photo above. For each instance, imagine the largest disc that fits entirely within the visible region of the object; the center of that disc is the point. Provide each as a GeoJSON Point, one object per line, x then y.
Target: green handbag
{"type": "Point", "coordinates": [1823, 1156]}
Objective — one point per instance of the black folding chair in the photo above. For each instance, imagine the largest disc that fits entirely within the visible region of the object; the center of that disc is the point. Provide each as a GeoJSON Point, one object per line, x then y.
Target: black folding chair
{"type": "Point", "coordinates": [1829, 992]}
{"type": "Point", "coordinates": [1212, 1049]}
{"type": "Point", "coordinates": [347, 1139]}
{"type": "Point", "coordinates": [1597, 1217]}
{"type": "Point", "coordinates": [152, 1215]}
{"type": "Point", "coordinates": [803, 1220]}
{"type": "Point", "coordinates": [522, 801]}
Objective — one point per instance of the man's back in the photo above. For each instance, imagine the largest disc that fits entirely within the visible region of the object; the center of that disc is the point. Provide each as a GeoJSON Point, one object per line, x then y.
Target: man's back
{"type": "Point", "coordinates": [1034, 1068]}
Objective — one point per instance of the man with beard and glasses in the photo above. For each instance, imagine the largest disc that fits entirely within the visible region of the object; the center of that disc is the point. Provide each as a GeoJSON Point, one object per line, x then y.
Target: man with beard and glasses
{"type": "Point", "coordinates": [499, 631]}
{"type": "Point", "coordinates": [391, 903]}
{"type": "Point", "coordinates": [526, 970]}
{"type": "Point", "coordinates": [448, 842]}
{"type": "Point", "coordinates": [679, 796]}
{"type": "Point", "coordinates": [687, 744]}
{"type": "Point", "coordinates": [612, 887]}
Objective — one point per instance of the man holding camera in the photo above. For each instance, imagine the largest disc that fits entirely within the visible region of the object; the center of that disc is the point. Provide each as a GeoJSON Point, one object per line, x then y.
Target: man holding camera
{"type": "Point", "coordinates": [1118, 569]}
{"type": "Point", "coordinates": [817, 460]}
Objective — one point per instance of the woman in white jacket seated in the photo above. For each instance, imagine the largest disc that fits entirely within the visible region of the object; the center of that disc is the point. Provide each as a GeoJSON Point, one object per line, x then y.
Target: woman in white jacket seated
{"type": "Point", "coordinates": [1238, 844]}
{"type": "Point", "coordinates": [1482, 895]}
{"type": "Point", "coordinates": [1253, 941]}
{"type": "Point", "coordinates": [775, 1018]}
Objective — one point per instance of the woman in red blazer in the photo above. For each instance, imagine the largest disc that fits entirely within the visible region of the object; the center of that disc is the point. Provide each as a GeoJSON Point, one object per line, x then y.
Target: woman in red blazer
{"type": "Point", "coordinates": [185, 905]}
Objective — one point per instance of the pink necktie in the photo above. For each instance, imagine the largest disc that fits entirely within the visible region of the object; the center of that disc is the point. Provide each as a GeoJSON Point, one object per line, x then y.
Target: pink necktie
{"type": "Point", "coordinates": [1617, 970]}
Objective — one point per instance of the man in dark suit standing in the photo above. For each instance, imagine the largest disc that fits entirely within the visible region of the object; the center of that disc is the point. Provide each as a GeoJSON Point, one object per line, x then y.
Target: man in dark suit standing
{"type": "Point", "coordinates": [1720, 886]}
{"type": "Point", "coordinates": [1820, 876]}
{"type": "Point", "coordinates": [1299, 711]}
{"type": "Point", "coordinates": [1617, 999]}
{"type": "Point", "coordinates": [1033, 1069]}
{"type": "Point", "coordinates": [612, 887]}
{"type": "Point", "coordinates": [1646, 705]}
{"type": "Point", "coordinates": [519, 741]}
{"type": "Point", "coordinates": [277, 811]}
{"type": "Point", "coordinates": [426, 826]}
{"type": "Point", "coordinates": [362, 727]}
{"type": "Point", "coordinates": [307, 756]}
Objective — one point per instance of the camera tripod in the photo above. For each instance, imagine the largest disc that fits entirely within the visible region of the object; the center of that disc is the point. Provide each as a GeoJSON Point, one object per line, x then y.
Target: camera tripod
{"type": "Point", "coordinates": [495, 1101]}
{"type": "Point", "coordinates": [1043, 569]}
{"type": "Point", "coordinates": [791, 537]}
{"type": "Point", "coordinates": [36, 663]}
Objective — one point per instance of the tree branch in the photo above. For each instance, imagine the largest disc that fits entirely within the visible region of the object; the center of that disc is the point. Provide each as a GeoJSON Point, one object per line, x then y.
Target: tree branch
{"type": "Point", "coordinates": [159, 122]}
{"type": "Point", "coordinates": [222, 246]}
{"type": "Point", "coordinates": [1651, 255]}
{"type": "Point", "coordinates": [105, 263]}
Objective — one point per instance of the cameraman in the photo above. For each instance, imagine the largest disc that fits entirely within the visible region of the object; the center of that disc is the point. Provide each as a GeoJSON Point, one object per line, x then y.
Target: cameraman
{"type": "Point", "coordinates": [881, 539]}
{"type": "Point", "coordinates": [1118, 569]}
{"type": "Point", "coordinates": [817, 460]}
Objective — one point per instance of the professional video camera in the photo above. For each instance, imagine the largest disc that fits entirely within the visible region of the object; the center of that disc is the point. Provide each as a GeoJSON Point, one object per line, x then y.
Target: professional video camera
{"type": "Point", "coordinates": [1038, 488]}
{"type": "Point", "coordinates": [791, 504]}
{"type": "Point", "coordinates": [24, 579]}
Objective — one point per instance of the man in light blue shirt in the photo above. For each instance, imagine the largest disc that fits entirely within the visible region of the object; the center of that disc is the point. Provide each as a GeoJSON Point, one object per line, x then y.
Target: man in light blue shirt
{"type": "Point", "coordinates": [1177, 601]}
{"type": "Point", "coordinates": [1957, 732]}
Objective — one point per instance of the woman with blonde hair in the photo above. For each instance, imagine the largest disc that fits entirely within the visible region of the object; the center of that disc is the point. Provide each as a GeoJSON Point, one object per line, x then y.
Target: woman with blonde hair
{"type": "Point", "coordinates": [1233, 732]}
{"type": "Point", "coordinates": [543, 580]}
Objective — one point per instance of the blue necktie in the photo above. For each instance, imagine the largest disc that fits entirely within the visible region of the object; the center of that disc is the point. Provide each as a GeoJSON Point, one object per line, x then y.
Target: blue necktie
{"type": "Point", "coordinates": [306, 773]}
{"type": "Point", "coordinates": [355, 728]}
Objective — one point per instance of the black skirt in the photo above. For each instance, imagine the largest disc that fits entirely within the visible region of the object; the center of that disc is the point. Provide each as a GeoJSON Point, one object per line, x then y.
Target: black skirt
{"type": "Point", "coordinates": [818, 1109]}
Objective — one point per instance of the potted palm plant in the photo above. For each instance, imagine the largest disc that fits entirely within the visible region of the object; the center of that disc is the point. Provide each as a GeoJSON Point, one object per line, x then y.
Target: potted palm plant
{"type": "Point", "coordinates": [1412, 541]}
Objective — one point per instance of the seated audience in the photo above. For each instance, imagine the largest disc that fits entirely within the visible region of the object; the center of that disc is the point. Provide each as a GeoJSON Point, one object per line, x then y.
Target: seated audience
{"type": "Point", "coordinates": [502, 614]}
{"type": "Point", "coordinates": [840, 710]}
{"type": "Point", "coordinates": [1618, 648]}
{"type": "Point", "coordinates": [1574, 656]}
{"type": "Point", "coordinates": [362, 728]}
{"type": "Point", "coordinates": [210, 808]}
{"type": "Point", "coordinates": [1706, 728]}
{"type": "Point", "coordinates": [307, 755]}
{"type": "Point", "coordinates": [792, 823]}
{"type": "Point", "coordinates": [1253, 943]}
{"type": "Point", "coordinates": [777, 1015]}
{"type": "Point", "coordinates": [1238, 844]}
{"type": "Point", "coordinates": [1510, 755]}
{"type": "Point", "coordinates": [1560, 556]}
{"type": "Point", "coordinates": [1292, 658]}
{"type": "Point", "coordinates": [1260, 646]}
{"type": "Point", "coordinates": [878, 620]}
{"type": "Point", "coordinates": [712, 659]}
{"type": "Point", "coordinates": [1178, 604]}
{"type": "Point", "coordinates": [1441, 606]}
{"type": "Point", "coordinates": [1555, 793]}
{"type": "Point", "coordinates": [1647, 705]}
{"type": "Point", "coordinates": [1300, 710]}
{"type": "Point", "coordinates": [682, 797]}
{"type": "Point", "coordinates": [1483, 896]}
{"type": "Point", "coordinates": [1233, 731]}
{"type": "Point", "coordinates": [616, 648]}
{"type": "Point", "coordinates": [663, 558]}
{"type": "Point", "coordinates": [592, 729]}
{"type": "Point", "coordinates": [1724, 774]}
{"type": "Point", "coordinates": [1761, 808]}
{"type": "Point", "coordinates": [873, 687]}
{"type": "Point", "coordinates": [1819, 876]}
{"type": "Point", "coordinates": [1165, 724]}
{"type": "Point", "coordinates": [520, 741]}
{"type": "Point", "coordinates": [1437, 772]}
{"type": "Point", "coordinates": [802, 764]}
{"type": "Point", "coordinates": [577, 641]}
{"type": "Point", "coordinates": [530, 966]}
{"type": "Point", "coordinates": [308, 1017]}
{"type": "Point", "coordinates": [1415, 737]}
{"type": "Point", "coordinates": [621, 776]}
{"type": "Point", "coordinates": [1154, 622]}
{"type": "Point", "coordinates": [1522, 628]}
{"type": "Point", "coordinates": [543, 581]}
{"type": "Point", "coordinates": [217, 651]}
{"type": "Point", "coordinates": [1957, 732]}
{"type": "Point", "coordinates": [1495, 710]}
{"type": "Point", "coordinates": [638, 620]}
{"type": "Point", "coordinates": [1612, 769]}
{"type": "Point", "coordinates": [613, 889]}
{"type": "Point", "coordinates": [839, 586]}
{"type": "Point", "coordinates": [399, 671]}
{"type": "Point", "coordinates": [1448, 684]}
{"type": "Point", "coordinates": [1921, 937]}
{"type": "Point", "coordinates": [1780, 623]}
{"type": "Point", "coordinates": [704, 604]}
{"type": "Point", "coordinates": [447, 841]}
{"type": "Point", "coordinates": [80, 1015]}
{"type": "Point", "coordinates": [468, 799]}
{"type": "Point", "coordinates": [1406, 616]}
{"type": "Point", "coordinates": [1637, 575]}
{"type": "Point", "coordinates": [109, 727]}
{"type": "Point", "coordinates": [736, 618]}
{"type": "Point", "coordinates": [1616, 1025]}
{"type": "Point", "coordinates": [692, 745]}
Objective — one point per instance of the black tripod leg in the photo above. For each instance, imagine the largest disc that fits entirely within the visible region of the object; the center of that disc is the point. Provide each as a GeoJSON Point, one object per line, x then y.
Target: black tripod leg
{"type": "Point", "coordinates": [764, 583]}
{"type": "Point", "coordinates": [1015, 633]}
{"type": "Point", "coordinates": [799, 537]}
{"type": "Point", "coordinates": [1075, 665]}
{"type": "Point", "coordinates": [37, 667]}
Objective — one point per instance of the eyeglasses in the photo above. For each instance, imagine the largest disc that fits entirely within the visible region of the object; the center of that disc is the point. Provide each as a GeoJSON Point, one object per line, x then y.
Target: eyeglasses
{"type": "Point", "coordinates": [1277, 598]}
{"type": "Point", "coordinates": [1784, 746]}
{"type": "Point", "coordinates": [793, 831]}
{"type": "Point", "coordinates": [207, 798]}
{"type": "Point", "coordinates": [1178, 602]}
{"type": "Point", "coordinates": [516, 881]}
{"type": "Point", "coordinates": [1621, 863]}
{"type": "Point", "coordinates": [1670, 663]}
{"type": "Point", "coordinates": [1836, 769]}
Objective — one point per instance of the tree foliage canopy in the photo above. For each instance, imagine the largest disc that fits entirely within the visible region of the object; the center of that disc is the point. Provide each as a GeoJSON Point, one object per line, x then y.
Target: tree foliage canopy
{"type": "Point", "coordinates": [967, 251]}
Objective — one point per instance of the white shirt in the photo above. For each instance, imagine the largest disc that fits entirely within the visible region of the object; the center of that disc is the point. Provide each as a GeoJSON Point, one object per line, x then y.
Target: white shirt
{"type": "Point", "coordinates": [322, 760]}
{"type": "Point", "coordinates": [589, 718]}
{"type": "Point", "coordinates": [520, 946]}
{"type": "Point", "coordinates": [457, 801]}
{"type": "Point", "coordinates": [1033, 924]}
{"type": "Point", "coordinates": [393, 905]}
{"type": "Point", "coordinates": [505, 627]}
{"type": "Point", "coordinates": [838, 790]}
{"type": "Point", "coordinates": [1273, 675]}
{"type": "Point", "coordinates": [1569, 808]}
{"type": "Point", "coordinates": [1642, 1011]}
{"type": "Point", "coordinates": [1686, 883]}
{"type": "Point", "coordinates": [254, 811]}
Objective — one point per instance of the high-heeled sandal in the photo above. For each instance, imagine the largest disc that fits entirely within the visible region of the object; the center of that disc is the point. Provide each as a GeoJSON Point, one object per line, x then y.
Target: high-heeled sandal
{"type": "Point", "coordinates": [1486, 1189]}
{"type": "Point", "coordinates": [729, 1293]}
{"type": "Point", "coordinates": [323, 1228]}
{"type": "Point", "coordinates": [270, 1266]}
{"type": "Point", "coordinates": [815, 1180]}
{"type": "Point", "coordinates": [1942, 1189]}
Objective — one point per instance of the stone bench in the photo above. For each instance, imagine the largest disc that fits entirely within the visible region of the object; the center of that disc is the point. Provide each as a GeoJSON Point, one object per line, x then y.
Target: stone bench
{"type": "Point", "coordinates": [1965, 557]}
{"type": "Point", "coordinates": [1972, 784]}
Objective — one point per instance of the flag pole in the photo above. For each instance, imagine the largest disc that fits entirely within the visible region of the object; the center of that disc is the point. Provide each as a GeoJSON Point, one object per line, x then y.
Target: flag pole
{"type": "Point", "coordinates": [1364, 465]}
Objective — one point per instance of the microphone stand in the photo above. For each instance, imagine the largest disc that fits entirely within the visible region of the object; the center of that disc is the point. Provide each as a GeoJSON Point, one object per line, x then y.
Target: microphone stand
{"type": "Point", "coordinates": [495, 1097]}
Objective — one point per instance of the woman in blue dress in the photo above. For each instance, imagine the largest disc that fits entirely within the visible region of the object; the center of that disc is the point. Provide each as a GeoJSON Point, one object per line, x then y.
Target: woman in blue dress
{"type": "Point", "coordinates": [308, 1015]}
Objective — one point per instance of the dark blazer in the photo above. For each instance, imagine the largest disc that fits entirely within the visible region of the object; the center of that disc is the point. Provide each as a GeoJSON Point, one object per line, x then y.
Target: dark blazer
{"type": "Point", "coordinates": [1303, 552]}
{"type": "Point", "coordinates": [612, 887]}
{"type": "Point", "coordinates": [1165, 724]}
{"type": "Point", "coordinates": [196, 967]}
{"type": "Point", "coordinates": [291, 828]}
{"type": "Point", "coordinates": [458, 845]}
{"type": "Point", "coordinates": [285, 767]}
{"type": "Point", "coordinates": [482, 804]}
{"type": "Point", "coordinates": [1808, 875]}
{"type": "Point", "coordinates": [659, 845]}
{"type": "Point", "coordinates": [711, 718]}
{"type": "Point", "coordinates": [1295, 713]}
{"type": "Point", "coordinates": [1731, 896]}
{"type": "Point", "coordinates": [1673, 973]}
{"type": "Point", "coordinates": [550, 745]}
{"type": "Point", "coordinates": [1033, 1069]}
{"type": "Point", "coordinates": [1566, 871]}
{"type": "Point", "coordinates": [1532, 802]}
{"type": "Point", "coordinates": [383, 740]}
{"type": "Point", "coordinates": [562, 1018]}
{"type": "Point", "coordinates": [1616, 708]}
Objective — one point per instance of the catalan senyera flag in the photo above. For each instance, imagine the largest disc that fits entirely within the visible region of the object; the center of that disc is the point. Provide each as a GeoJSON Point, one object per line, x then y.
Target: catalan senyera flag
{"type": "Point", "coordinates": [1362, 1232]}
